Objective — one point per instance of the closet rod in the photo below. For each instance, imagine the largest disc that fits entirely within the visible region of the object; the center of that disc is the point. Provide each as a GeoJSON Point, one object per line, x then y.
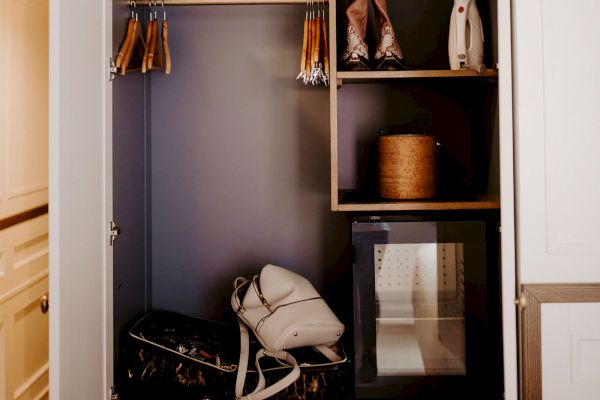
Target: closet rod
{"type": "Point", "coordinates": [223, 2]}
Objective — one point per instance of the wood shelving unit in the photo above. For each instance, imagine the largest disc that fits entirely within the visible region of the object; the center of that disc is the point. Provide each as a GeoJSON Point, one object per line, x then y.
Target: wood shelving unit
{"type": "Point", "coordinates": [222, 2]}
{"type": "Point", "coordinates": [347, 198]}
{"type": "Point", "coordinates": [348, 202]}
{"type": "Point", "coordinates": [373, 76]}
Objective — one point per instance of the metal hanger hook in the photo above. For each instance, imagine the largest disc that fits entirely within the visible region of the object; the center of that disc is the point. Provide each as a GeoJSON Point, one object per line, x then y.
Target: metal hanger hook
{"type": "Point", "coordinates": [164, 10]}
{"type": "Point", "coordinates": [133, 10]}
{"type": "Point", "coordinates": [153, 7]}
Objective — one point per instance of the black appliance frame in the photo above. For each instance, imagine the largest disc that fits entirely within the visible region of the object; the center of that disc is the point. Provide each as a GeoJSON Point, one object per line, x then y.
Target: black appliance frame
{"type": "Point", "coordinates": [483, 325]}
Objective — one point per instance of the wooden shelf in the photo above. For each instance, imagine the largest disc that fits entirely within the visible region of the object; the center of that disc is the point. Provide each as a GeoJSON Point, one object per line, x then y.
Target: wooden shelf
{"type": "Point", "coordinates": [350, 201]}
{"type": "Point", "coordinates": [371, 76]}
{"type": "Point", "coordinates": [221, 2]}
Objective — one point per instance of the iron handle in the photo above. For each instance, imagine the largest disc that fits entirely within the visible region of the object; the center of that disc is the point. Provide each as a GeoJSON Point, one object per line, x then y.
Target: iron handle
{"type": "Point", "coordinates": [44, 305]}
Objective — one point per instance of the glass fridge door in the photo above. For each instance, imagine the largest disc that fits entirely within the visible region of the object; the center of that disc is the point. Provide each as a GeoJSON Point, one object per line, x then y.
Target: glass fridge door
{"type": "Point", "coordinates": [419, 299]}
{"type": "Point", "coordinates": [420, 309]}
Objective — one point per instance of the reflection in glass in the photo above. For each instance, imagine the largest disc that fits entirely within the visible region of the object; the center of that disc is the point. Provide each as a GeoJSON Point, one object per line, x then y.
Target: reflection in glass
{"type": "Point", "coordinates": [420, 325]}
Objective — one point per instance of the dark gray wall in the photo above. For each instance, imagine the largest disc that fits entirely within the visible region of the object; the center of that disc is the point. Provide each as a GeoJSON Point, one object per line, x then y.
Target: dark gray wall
{"type": "Point", "coordinates": [240, 158]}
{"type": "Point", "coordinates": [131, 272]}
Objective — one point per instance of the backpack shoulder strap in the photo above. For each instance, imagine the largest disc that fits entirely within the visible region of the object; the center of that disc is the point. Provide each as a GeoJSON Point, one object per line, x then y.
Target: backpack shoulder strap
{"type": "Point", "coordinates": [243, 364]}
{"type": "Point", "coordinates": [260, 392]}
{"type": "Point", "coordinates": [328, 352]}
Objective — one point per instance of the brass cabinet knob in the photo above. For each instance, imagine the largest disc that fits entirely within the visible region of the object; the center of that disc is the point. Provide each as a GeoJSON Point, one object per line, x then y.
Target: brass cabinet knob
{"type": "Point", "coordinates": [44, 305]}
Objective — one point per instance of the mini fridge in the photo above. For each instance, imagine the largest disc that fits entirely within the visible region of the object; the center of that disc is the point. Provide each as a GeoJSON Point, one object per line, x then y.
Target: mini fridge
{"type": "Point", "coordinates": [427, 320]}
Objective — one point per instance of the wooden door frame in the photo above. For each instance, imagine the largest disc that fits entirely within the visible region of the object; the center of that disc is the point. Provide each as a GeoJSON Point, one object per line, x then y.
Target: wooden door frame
{"type": "Point", "coordinates": [533, 297]}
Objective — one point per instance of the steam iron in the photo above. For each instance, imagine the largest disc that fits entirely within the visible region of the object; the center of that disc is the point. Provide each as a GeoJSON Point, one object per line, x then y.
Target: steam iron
{"type": "Point", "coordinates": [465, 42]}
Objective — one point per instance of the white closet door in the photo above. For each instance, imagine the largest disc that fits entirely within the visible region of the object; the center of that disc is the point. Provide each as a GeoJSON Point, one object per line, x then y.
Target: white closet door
{"type": "Point", "coordinates": [80, 200]}
{"type": "Point", "coordinates": [557, 122]}
{"type": "Point", "coordinates": [557, 126]}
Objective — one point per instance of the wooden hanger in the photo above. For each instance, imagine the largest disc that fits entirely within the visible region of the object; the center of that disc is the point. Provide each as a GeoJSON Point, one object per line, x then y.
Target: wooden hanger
{"type": "Point", "coordinates": [131, 53]}
{"type": "Point", "coordinates": [127, 39]}
{"type": "Point", "coordinates": [137, 53]}
{"type": "Point", "coordinates": [154, 59]}
{"type": "Point", "coordinates": [153, 49]}
{"type": "Point", "coordinates": [165, 40]}
{"type": "Point", "coordinates": [147, 46]}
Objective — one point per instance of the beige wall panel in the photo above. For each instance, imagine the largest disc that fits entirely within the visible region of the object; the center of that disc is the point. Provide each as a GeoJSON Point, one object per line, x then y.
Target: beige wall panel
{"type": "Point", "coordinates": [24, 122]}
{"type": "Point", "coordinates": [3, 360]}
{"type": "Point", "coordinates": [4, 26]}
{"type": "Point", "coordinates": [28, 108]}
{"type": "Point", "coordinates": [2, 264]}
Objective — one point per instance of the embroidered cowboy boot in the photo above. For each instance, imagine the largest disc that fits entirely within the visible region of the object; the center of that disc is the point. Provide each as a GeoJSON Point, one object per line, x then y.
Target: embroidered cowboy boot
{"type": "Point", "coordinates": [356, 55]}
{"type": "Point", "coordinates": [388, 55]}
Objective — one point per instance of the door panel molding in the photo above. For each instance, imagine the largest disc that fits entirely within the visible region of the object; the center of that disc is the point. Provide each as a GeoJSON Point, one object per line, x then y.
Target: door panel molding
{"type": "Point", "coordinates": [29, 189]}
{"type": "Point", "coordinates": [23, 216]}
{"type": "Point", "coordinates": [555, 141]}
{"type": "Point", "coordinates": [583, 346]}
{"type": "Point", "coordinates": [23, 286]}
{"type": "Point", "coordinates": [23, 326]}
{"type": "Point", "coordinates": [29, 383]}
{"type": "Point", "coordinates": [535, 296]}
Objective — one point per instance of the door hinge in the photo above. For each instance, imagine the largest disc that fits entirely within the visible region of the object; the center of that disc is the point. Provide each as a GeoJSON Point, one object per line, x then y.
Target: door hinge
{"type": "Point", "coordinates": [112, 68]}
{"type": "Point", "coordinates": [115, 231]}
{"type": "Point", "coordinates": [113, 393]}
{"type": "Point", "coordinates": [521, 302]}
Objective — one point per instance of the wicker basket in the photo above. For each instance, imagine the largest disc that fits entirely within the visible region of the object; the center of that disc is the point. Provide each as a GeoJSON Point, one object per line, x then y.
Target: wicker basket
{"type": "Point", "coordinates": [407, 166]}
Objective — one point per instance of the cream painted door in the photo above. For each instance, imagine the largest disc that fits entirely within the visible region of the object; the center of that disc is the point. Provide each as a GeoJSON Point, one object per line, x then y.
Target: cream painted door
{"type": "Point", "coordinates": [23, 326]}
{"type": "Point", "coordinates": [23, 186]}
{"type": "Point", "coordinates": [557, 133]}
{"type": "Point", "coordinates": [81, 351]}
{"type": "Point", "coordinates": [23, 105]}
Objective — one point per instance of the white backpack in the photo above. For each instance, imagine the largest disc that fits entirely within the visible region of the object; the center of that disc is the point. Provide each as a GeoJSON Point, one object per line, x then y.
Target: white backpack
{"type": "Point", "coordinates": [284, 311]}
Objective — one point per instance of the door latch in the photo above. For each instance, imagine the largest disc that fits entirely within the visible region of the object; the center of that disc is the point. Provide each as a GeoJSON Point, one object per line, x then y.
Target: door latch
{"type": "Point", "coordinates": [113, 393]}
{"type": "Point", "coordinates": [112, 69]}
{"type": "Point", "coordinates": [114, 232]}
{"type": "Point", "coordinates": [521, 302]}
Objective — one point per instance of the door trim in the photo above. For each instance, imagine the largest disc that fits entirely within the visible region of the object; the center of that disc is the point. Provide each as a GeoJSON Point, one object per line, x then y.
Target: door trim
{"type": "Point", "coordinates": [535, 296]}
{"type": "Point", "coordinates": [80, 157]}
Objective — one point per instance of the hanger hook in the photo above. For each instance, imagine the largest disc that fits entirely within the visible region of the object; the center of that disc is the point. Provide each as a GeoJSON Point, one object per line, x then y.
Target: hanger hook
{"type": "Point", "coordinates": [164, 10]}
{"type": "Point", "coordinates": [134, 8]}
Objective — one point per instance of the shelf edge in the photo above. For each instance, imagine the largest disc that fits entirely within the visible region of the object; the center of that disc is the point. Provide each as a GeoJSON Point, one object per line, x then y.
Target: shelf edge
{"type": "Point", "coordinates": [351, 76]}
{"type": "Point", "coordinates": [420, 206]}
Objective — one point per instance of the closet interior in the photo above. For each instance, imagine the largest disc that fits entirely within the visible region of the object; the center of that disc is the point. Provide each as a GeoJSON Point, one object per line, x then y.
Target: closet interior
{"type": "Point", "coordinates": [224, 161]}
